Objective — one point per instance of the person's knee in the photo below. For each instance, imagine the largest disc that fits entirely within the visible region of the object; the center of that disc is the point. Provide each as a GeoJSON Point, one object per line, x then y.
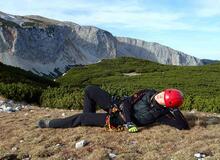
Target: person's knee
{"type": "Point", "coordinates": [185, 127]}
{"type": "Point", "coordinates": [90, 88]}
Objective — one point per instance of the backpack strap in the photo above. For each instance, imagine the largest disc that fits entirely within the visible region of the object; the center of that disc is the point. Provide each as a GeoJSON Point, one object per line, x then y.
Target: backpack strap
{"type": "Point", "coordinates": [137, 96]}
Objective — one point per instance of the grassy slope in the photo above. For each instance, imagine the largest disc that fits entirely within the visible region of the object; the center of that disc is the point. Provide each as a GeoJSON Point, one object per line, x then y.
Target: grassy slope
{"type": "Point", "coordinates": [18, 129]}
{"type": "Point", "coordinates": [18, 84]}
{"type": "Point", "coordinates": [9, 74]}
{"type": "Point", "coordinates": [194, 80]}
{"type": "Point", "coordinates": [157, 142]}
{"type": "Point", "coordinates": [200, 84]}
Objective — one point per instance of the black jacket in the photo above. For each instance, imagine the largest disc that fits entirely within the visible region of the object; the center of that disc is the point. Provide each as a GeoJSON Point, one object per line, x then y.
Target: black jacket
{"type": "Point", "coordinates": [146, 111]}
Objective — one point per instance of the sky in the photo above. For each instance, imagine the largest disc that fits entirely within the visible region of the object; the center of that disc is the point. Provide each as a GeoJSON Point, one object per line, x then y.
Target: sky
{"type": "Point", "coordinates": [190, 26]}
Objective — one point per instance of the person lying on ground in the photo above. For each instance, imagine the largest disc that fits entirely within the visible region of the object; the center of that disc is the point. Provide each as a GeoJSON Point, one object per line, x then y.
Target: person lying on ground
{"type": "Point", "coordinates": [145, 107]}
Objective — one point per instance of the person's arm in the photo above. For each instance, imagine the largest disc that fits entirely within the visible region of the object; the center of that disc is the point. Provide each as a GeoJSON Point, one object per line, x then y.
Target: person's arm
{"type": "Point", "coordinates": [175, 119]}
{"type": "Point", "coordinates": [126, 110]}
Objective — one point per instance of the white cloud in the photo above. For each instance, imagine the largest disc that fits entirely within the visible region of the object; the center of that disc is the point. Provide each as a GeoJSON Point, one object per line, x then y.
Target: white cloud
{"type": "Point", "coordinates": [132, 19]}
{"type": "Point", "coordinates": [117, 13]}
{"type": "Point", "coordinates": [207, 8]}
{"type": "Point", "coordinates": [128, 14]}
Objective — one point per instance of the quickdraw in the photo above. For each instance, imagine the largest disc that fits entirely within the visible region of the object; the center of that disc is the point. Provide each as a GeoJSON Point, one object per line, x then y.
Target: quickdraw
{"type": "Point", "coordinates": [109, 124]}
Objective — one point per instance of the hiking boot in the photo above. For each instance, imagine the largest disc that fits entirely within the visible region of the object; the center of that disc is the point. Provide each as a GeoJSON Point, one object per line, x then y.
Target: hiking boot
{"type": "Point", "coordinates": [43, 123]}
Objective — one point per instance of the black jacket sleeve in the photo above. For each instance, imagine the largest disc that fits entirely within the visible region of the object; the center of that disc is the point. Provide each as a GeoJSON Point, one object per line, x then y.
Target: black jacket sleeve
{"type": "Point", "coordinates": [126, 108]}
{"type": "Point", "coordinates": [175, 119]}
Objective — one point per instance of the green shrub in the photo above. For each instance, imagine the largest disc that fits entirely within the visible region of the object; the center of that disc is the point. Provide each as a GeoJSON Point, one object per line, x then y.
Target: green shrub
{"type": "Point", "coordinates": [200, 84]}
{"type": "Point", "coordinates": [63, 97]}
{"type": "Point", "coordinates": [20, 92]}
{"type": "Point", "coordinates": [21, 85]}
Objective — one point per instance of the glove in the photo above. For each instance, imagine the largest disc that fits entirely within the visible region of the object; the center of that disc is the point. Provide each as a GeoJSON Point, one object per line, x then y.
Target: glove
{"type": "Point", "coordinates": [131, 127]}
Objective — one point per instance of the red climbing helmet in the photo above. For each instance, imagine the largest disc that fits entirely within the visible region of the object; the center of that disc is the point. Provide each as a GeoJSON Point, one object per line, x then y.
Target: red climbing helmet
{"type": "Point", "coordinates": [173, 98]}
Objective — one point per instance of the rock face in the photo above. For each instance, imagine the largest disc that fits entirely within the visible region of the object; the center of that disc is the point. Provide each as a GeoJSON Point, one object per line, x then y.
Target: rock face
{"type": "Point", "coordinates": [46, 46]}
{"type": "Point", "coordinates": [154, 52]}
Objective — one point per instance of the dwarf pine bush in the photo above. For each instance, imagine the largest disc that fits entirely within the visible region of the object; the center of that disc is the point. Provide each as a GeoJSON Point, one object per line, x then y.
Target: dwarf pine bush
{"type": "Point", "coordinates": [200, 84]}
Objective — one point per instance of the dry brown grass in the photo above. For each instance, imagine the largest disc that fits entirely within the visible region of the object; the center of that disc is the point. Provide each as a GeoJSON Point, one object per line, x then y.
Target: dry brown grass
{"type": "Point", "coordinates": [20, 136]}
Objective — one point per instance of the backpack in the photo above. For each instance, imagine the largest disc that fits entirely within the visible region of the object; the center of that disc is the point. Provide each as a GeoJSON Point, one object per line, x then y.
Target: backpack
{"type": "Point", "coordinates": [115, 119]}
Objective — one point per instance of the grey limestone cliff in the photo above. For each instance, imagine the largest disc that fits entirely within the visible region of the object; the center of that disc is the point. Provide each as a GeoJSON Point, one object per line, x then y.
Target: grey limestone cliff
{"type": "Point", "coordinates": [154, 52]}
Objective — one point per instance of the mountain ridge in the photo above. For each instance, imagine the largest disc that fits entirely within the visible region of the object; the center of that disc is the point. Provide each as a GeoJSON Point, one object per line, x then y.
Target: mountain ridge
{"type": "Point", "coordinates": [46, 46]}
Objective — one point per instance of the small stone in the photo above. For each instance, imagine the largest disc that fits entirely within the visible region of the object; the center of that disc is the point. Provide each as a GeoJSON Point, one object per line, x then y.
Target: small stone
{"type": "Point", "coordinates": [3, 106]}
{"type": "Point", "coordinates": [193, 111]}
{"type": "Point", "coordinates": [9, 109]}
{"type": "Point", "coordinates": [63, 114]}
{"type": "Point", "coordinates": [112, 155]}
{"type": "Point", "coordinates": [1, 102]}
{"type": "Point", "coordinates": [81, 144]}
{"type": "Point", "coordinates": [14, 149]}
{"type": "Point", "coordinates": [11, 102]}
{"type": "Point", "coordinates": [21, 141]}
{"type": "Point", "coordinates": [26, 114]}
{"type": "Point", "coordinates": [58, 145]}
{"type": "Point", "coordinates": [18, 107]}
{"type": "Point", "coordinates": [26, 106]}
{"type": "Point", "coordinates": [200, 155]}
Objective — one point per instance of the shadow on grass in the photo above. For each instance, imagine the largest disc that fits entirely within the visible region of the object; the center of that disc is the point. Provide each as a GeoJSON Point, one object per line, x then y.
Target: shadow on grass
{"type": "Point", "coordinates": [201, 120]}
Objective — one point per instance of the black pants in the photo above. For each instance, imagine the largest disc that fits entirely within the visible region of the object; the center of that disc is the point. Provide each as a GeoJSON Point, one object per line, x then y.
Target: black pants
{"type": "Point", "coordinates": [93, 96]}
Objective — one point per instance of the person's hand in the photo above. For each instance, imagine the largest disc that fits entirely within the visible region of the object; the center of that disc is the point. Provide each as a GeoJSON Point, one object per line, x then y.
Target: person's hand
{"type": "Point", "coordinates": [132, 128]}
